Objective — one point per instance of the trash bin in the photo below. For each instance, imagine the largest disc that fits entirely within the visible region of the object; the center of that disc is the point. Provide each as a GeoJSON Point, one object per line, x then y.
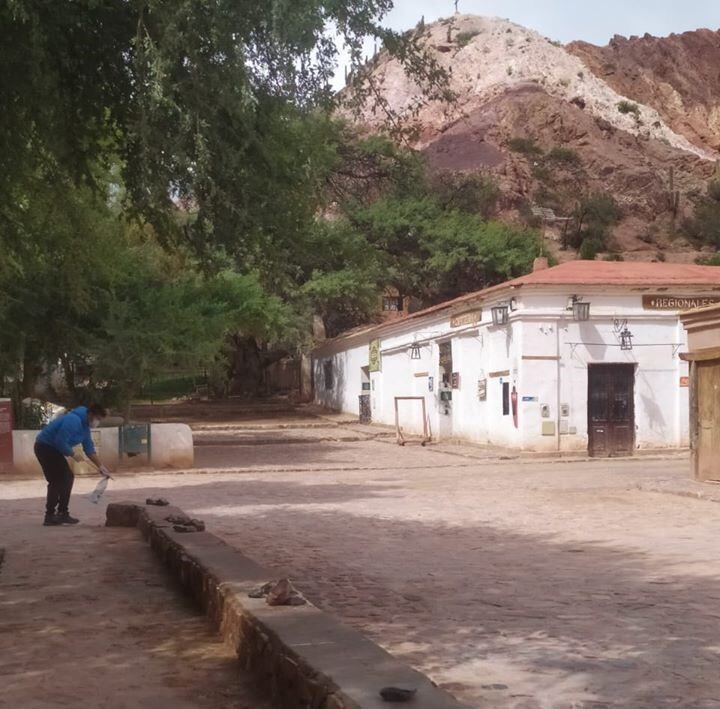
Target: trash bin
{"type": "Point", "coordinates": [134, 441]}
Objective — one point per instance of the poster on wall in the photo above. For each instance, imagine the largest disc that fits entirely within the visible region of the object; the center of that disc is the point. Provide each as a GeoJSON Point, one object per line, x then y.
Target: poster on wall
{"type": "Point", "coordinates": [374, 356]}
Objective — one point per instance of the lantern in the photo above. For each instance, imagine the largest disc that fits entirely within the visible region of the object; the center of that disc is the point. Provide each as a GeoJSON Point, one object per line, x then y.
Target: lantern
{"type": "Point", "coordinates": [500, 314]}
{"type": "Point", "coordinates": [580, 309]}
{"type": "Point", "coordinates": [414, 351]}
{"type": "Point", "coordinates": [626, 339]}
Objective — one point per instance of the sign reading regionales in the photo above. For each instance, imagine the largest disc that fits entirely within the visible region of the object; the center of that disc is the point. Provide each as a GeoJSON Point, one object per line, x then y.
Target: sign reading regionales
{"type": "Point", "coordinates": [677, 302]}
{"type": "Point", "coordinates": [471, 318]}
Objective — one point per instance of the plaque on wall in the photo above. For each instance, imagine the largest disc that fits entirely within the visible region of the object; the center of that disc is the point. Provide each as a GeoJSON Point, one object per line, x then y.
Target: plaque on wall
{"type": "Point", "coordinates": [374, 356]}
{"type": "Point", "coordinates": [677, 302]}
{"type": "Point", "coordinates": [471, 318]}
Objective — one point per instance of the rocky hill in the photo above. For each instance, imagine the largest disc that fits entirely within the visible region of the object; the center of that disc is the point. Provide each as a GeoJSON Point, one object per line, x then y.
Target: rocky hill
{"type": "Point", "coordinates": [639, 119]}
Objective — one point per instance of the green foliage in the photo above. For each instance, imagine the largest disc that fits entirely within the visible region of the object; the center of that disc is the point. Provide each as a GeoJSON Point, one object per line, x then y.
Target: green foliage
{"type": "Point", "coordinates": [626, 107]}
{"type": "Point", "coordinates": [525, 146]}
{"type": "Point", "coordinates": [95, 293]}
{"type": "Point", "coordinates": [594, 216]}
{"type": "Point", "coordinates": [171, 386]}
{"type": "Point", "coordinates": [563, 156]}
{"type": "Point", "coordinates": [704, 226]}
{"type": "Point", "coordinates": [30, 416]}
{"type": "Point", "coordinates": [462, 39]}
{"type": "Point", "coordinates": [713, 260]}
{"type": "Point", "coordinates": [153, 324]}
{"type": "Point", "coordinates": [600, 208]}
{"type": "Point", "coordinates": [215, 100]}
{"type": "Point", "coordinates": [542, 173]}
{"type": "Point", "coordinates": [436, 253]}
{"type": "Point", "coordinates": [468, 192]}
{"type": "Point", "coordinates": [590, 247]}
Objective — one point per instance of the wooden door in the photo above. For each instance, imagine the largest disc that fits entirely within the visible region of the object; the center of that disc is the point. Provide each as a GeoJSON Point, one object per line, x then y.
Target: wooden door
{"type": "Point", "coordinates": [611, 410]}
{"type": "Point", "coordinates": [708, 420]}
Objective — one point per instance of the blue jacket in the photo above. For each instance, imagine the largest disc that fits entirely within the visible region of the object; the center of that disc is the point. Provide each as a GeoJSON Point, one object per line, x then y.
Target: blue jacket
{"type": "Point", "coordinates": [66, 431]}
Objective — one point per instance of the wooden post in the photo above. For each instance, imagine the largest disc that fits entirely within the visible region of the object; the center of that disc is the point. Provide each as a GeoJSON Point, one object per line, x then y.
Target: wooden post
{"type": "Point", "coordinates": [694, 423]}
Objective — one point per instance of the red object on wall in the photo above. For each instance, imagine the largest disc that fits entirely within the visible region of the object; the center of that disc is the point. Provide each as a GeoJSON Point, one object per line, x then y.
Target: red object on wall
{"type": "Point", "coordinates": [6, 427]}
{"type": "Point", "coordinates": [513, 402]}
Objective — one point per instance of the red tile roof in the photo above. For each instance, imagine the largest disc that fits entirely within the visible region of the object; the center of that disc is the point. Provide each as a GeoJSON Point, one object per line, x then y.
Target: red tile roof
{"type": "Point", "coordinates": [580, 273]}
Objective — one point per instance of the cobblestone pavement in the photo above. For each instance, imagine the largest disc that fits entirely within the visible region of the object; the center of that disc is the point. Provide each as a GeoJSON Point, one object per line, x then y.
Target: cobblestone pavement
{"type": "Point", "coordinates": [88, 619]}
{"type": "Point", "coordinates": [560, 584]}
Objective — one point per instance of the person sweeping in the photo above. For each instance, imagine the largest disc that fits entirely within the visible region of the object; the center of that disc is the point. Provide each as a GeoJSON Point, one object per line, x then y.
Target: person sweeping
{"type": "Point", "coordinates": [54, 445]}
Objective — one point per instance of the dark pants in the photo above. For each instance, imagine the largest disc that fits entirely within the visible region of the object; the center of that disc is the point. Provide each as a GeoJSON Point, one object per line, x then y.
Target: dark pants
{"type": "Point", "coordinates": [59, 477]}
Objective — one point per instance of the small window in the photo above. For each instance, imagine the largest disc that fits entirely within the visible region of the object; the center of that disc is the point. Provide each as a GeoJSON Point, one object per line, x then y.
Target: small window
{"type": "Point", "coordinates": [328, 374]}
{"type": "Point", "coordinates": [392, 303]}
{"type": "Point", "coordinates": [506, 398]}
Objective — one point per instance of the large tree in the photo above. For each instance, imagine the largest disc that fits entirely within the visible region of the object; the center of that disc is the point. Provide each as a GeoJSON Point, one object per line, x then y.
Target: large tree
{"type": "Point", "coordinates": [199, 101]}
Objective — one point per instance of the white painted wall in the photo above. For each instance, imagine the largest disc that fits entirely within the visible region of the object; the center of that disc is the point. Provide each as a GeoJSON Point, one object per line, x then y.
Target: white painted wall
{"type": "Point", "coordinates": [347, 375]}
{"type": "Point", "coordinates": [171, 447]}
{"type": "Point", "coordinates": [546, 356]}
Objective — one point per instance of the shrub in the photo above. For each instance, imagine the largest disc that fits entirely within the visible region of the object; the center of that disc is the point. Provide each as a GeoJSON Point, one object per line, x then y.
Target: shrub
{"type": "Point", "coordinates": [564, 156]}
{"type": "Point", "coordinates": [469, 192]}
{"type": "Point", "coordinates": [713, 260]}
{"type": "Point", "coordinates": [626, 107]}
{"type": "Point", "coordinates": [590, 248]}
{"type": "Point", "coordinates": [542, 173]}
{"type": "Point", "coordinates": [462, 39]}
{"type": "Point", "coordinates": [705, 223]}
{"type": "Point", "coordinates": [526, 146]}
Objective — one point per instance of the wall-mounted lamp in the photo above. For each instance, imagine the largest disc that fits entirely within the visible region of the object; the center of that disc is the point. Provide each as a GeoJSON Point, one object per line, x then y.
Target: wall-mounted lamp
{"type": "Point", "coordinates": [414, 351]}
{"type": "Point", "coordinates": [500, 314]}
{"type": "Point", "coordinates": [580, 308]}
{"type": "Point", "coordinates": [626, 338]}
{"type": "Point", "coordinates": [501, 311]}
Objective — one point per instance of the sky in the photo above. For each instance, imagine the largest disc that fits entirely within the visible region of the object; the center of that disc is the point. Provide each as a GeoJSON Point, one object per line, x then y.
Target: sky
{"type": "Point", "coordinates": [565, 20]}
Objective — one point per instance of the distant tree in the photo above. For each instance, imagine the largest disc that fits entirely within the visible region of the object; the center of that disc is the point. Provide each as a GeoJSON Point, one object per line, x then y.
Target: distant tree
{"type": "Point", "coordinates": [704, 225]}
{"type": "Point", "coordinates": [594, 216]}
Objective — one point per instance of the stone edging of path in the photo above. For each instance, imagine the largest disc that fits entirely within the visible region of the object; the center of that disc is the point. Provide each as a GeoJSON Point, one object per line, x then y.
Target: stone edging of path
{"type": "Point", "coordinates": [304, 658]}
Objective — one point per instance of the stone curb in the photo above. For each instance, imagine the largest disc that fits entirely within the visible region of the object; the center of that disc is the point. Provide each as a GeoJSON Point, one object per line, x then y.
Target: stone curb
{"type": "Point", "coordinates": [303, 657]}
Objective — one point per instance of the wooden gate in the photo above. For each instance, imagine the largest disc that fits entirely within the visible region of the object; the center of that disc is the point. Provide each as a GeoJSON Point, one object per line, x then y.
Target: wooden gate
{"type": "Point", "coordinates": [611, 410]}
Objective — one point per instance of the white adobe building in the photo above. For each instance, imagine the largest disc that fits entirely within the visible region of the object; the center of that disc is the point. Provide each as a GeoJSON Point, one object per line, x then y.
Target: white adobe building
{"type": "Point", "coordinates": [581, 356]}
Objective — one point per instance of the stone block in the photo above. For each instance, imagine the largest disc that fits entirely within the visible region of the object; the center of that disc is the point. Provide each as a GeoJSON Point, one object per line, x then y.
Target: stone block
{"type": "Point", "coordinates": [122, 514]}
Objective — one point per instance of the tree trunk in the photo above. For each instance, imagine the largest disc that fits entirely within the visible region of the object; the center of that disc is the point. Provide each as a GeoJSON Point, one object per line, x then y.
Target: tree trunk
{"type": "Point", "coordinates": [31, 371]}
{"type": "Point", "coordinates": [69, 372]}
{"type": "Point", "coordinates": [246, 367]}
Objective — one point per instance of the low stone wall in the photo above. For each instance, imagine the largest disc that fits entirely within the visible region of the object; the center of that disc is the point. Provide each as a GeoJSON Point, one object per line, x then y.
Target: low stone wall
{"type": "Point", "coordinates": [25, 462]}
{"type": "Point", "coordinates": [171, 447]}
{"type": "Point", "coordinates": [303, 657]}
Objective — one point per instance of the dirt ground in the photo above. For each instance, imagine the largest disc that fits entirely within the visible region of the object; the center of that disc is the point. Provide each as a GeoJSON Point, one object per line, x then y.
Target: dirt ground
{"type": "Point", "coordinates": [513, 584]}
{"type": "Point", "coordinates": [89, 619]}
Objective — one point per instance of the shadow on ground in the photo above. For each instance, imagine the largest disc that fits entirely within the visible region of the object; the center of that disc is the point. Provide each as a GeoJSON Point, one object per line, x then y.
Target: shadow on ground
{"type": "Point", "coordinates": [492, 615]}
{"type": "Point", "coordinates": [89, 619]}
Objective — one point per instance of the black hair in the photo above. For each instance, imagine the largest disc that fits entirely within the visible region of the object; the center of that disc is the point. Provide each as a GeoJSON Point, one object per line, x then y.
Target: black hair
{"type": "Point", "coordinates": [98, 410]}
